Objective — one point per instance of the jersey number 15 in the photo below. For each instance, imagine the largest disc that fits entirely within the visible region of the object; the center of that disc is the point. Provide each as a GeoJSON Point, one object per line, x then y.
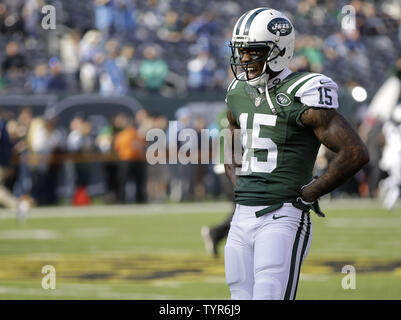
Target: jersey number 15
{"type": "Point", "coordinates": [251, 141]}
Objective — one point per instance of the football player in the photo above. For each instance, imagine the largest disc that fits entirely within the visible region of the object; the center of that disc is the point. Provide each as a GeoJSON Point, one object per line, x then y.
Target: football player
{"type": "Point", "coordinates": [284, 117]}
{"type": "Point", "coordinates": [390, 162]}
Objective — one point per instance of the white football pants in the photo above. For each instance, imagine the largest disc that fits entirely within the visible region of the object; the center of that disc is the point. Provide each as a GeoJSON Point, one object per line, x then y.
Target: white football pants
{"type": "Point", "coordinates": [263, 255]}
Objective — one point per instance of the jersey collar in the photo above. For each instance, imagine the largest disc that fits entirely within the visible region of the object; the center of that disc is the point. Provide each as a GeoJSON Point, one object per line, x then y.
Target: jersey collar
{"type": "Point", "coordinates": [280, 77]}
{"type": "Point", "coordinates": [276, 80]}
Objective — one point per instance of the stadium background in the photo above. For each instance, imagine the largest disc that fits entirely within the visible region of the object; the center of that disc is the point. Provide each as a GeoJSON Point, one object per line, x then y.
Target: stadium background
{"type": "Point", "coordinates": [114, 230]}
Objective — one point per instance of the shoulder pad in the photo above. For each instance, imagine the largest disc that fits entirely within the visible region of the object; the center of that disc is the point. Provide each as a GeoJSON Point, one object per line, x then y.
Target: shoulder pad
{"type": "Point", "coordinates": [234, 84]}
{"type": "Point", "coordinates": [319, 91]}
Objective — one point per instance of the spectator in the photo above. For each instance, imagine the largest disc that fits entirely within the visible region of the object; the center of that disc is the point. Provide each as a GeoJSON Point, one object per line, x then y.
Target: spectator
{"type": "Point", "coordinates": [10, 21]}
{"type": "Point", "coordinates": [6, 198]}
{"type": "Point", "coordinates": [358, 62]}
{"type": "Point", "coordinates": [170, 30]}
{"type": "Point", "coordinates": [200, 170]}
{"type": "Point", "coordinates": [202, 30]}
{"type": "Point", "coordinates": [31, 15]}
{"type": "Point", "coordinates": [130, 149]}
{"type": "Point", "coordinates": [128, 64]}
{"type": "Point", "coordinates": [90, 45]}
{"type": "Point", "coordinates": [143, 122]}
{"type": "Point", "coordinates": [124, 18]}
{"type": "Point", "coordinates": [300, 64]}
{"type": "Point", "coordinates": [19, 130]}
{"type": "Point", "coordinates": [105, 142]}
{"type": "Point", "coordinates": [201, 70]}
{"type": "Point", "coordinates": [14, 65]}
{"type": "Point", "coordinates": [158, 176]}
{"type": "Point", "coordinates": [14, 61]}
{"type": "Point", "coordinates": [91, 58]}
{"type": "Point", "coordinates": [46, 141]}
{"type": "Point", "coordinates": [153, 70]}
{"type": "Point", "coordinates": [79, 142]}
{"type": "Point", "coordinates": [312, 51]}
{"type": "Point", "coordinates": [57, 79]}
{"type": "Point", "coordinates": [150, 18]}
{"type": "Point", "coordinates": [353, 41]}
{"type": "Point", "coordinates": [371, 25]}
{"type": "Point", "coordinates": [91, 72]}
{"type": "Point", "coordinates": [104, 16]}
{"type": "Point", "coordinates": [112, 81]}
{"type": "Point", "coordinates": [69, 54]}
{"type": "Point", "coordinates": [39, 81]}
{"type": "Point", "coordinates": [334, 46]}
{"type": "Point", "coordinates": [181, 174]}
{"type": "Point", "coordinates": [3, 17]}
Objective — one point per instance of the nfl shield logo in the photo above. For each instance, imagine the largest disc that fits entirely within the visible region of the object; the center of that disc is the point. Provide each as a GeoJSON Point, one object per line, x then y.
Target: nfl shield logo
{"type": "Point", "coordinates": [258, 100]}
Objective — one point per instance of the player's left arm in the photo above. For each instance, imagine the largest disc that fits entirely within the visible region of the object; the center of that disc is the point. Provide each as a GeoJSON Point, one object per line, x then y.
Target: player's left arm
{"type": "Point", "coordinates": [230, 168]}
{"type": "Point", "coordinates": [333, 131]}
{"type": "Point", "coordinates": [351, 154]}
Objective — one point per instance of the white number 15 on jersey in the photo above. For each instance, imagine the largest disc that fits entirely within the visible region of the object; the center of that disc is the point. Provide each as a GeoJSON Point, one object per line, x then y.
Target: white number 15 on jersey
{"type": "Point", "coordinates": [252, 141]}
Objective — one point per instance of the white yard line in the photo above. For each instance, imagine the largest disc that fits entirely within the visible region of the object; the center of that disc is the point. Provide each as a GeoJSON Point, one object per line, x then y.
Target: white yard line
{"type": "Point", "coordinates": [120, 210]}
{"type": "Point", "coordinates": [171, 208]}
{"type": "Point", "coordinates": [386, 222]}
{"type": "Point", "coordinates": [92, 232]}
{"type": "Point", "coordinates": [32, 234]}
{"type": "Point", "coordinates": [76, 292]}
{"type": "Point", "coordinates": [45, 234]}
{"type": "Point", "coordinates": [84, 291]}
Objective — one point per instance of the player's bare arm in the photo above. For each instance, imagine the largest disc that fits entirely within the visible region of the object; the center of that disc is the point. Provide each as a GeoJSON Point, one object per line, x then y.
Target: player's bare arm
{"type": "Point", "coordinates": [230, 167]}
{"type": "Point", "coordinates": [351, 154]}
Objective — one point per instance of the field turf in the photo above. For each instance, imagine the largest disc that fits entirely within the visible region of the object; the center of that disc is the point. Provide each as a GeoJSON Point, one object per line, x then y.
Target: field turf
{"type": "Point", "coordinates": [155, 252]}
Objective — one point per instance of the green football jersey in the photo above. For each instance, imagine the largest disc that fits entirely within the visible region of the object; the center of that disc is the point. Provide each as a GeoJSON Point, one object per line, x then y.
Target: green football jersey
{"type": "Point", "coordinates": [278, 152]}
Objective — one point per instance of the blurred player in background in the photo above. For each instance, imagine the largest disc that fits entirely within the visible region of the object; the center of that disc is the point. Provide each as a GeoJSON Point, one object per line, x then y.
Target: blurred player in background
{"type": "Point", "coordinates": [284, 117]}
{"type": "Point", "coordinates": [389, 188]}
{"type": "Point", "coordinates": [6, 197]}
{"type": "Point", "coordinates": [213, 235]}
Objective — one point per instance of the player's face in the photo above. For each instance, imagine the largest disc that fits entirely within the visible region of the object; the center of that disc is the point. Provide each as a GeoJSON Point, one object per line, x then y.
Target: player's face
{"type": "Point", "coordinates": [247, 55]}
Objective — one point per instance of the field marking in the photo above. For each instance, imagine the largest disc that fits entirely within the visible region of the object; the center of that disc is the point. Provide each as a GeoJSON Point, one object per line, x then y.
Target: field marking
{"type": "Point", "coordinates": [77, 293]}
{"type": "Point", "coordinates": [166, 284]}
{"type": "Point", "coordinates": [353, 223]}
{"type": "Point", "coordinates": [92, 232]}
{"type": "Point", "coordinates": [359, 203]}
{"type": "Point", "coordinates": [78, 290]}
{"type": "Point", "coordinates": [34, 234]}
{"type": "Point", "coordinates": [169, 208]}
{"type": "Point", "coordinates": [120, 210]}
{"type": "Point", "coordinates": [95, 291]}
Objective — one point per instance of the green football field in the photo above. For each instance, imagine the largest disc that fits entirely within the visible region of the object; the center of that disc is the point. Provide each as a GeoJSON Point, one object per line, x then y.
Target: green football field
{"type": "Point", "coordinates": [156, 252]}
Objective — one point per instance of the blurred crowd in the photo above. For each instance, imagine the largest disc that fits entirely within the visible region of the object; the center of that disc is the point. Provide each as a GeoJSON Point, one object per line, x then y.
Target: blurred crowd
{"type": "Point", "coordinates": [114, 47]}
{"type": "Point", "coordinates": [169, 48]}
{"type": "Point", "coordinates": [109, 162]}
{"type": "Point", "coordinates": [51, 164]}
